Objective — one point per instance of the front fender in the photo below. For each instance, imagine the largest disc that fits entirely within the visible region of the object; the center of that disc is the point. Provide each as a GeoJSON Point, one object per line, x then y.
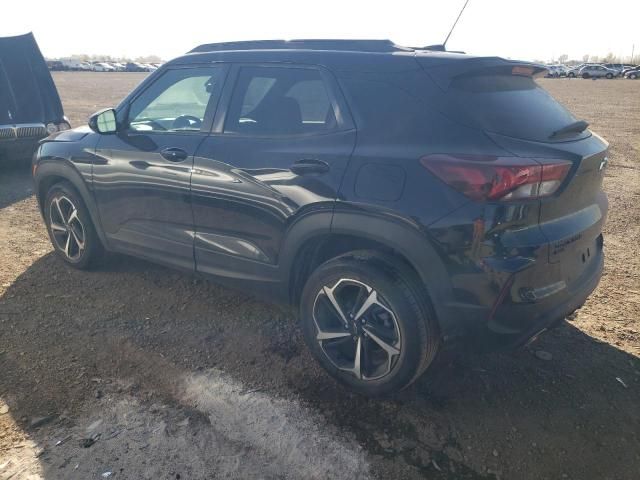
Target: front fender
{"type": "Point", "coordinates": [51, 167]}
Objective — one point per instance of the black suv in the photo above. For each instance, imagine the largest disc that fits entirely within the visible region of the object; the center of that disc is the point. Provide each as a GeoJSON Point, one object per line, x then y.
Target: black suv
{"type": "Point", "coordinates": [404, 199]}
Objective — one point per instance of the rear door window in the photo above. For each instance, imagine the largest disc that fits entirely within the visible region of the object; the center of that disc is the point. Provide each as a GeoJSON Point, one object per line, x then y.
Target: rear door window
{"type": "Point", "coordinates": [273, 101]}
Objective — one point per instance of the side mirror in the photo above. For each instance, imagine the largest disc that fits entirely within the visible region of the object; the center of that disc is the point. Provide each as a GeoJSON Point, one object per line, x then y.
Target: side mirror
{"type": "Point", "coordinates": [104, 121]}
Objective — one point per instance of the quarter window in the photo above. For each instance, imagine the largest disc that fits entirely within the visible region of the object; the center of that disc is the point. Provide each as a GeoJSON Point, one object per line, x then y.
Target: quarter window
{"type": "Point", "coordinates": [177, 101]}
{"type": "Point", "coordinates": [271, 101]}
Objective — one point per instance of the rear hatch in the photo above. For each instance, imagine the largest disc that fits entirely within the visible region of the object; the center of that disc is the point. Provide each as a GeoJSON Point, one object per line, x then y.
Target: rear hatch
{"type": "Point", "coordinates": [572, 219]}
{"type": "Point", "coordinates": [503, 99]}
{"type": "Point", "coordinates": [27, 92]}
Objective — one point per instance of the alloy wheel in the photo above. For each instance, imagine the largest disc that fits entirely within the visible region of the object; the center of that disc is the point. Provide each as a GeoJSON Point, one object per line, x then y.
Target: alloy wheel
{"type": "Point", "coordinates": [66, 227]}
{"type": "Point", "coordinates": [356, 329]}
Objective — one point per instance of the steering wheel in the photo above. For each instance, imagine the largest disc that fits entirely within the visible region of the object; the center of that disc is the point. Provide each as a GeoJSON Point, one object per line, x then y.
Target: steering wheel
{"type": "Point", "coordinates": [154, 125]}
{"type": "Point", "coordinates": [186, 122]}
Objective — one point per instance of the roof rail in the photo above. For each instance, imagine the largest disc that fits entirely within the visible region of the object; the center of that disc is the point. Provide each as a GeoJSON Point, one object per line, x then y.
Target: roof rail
{"type": "Point", "coordinates": [380, 46]}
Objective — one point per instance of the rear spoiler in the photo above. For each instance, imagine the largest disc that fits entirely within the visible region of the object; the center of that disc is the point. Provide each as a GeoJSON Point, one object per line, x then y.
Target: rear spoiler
{"type": "Point", "coordinates": [443, 73]}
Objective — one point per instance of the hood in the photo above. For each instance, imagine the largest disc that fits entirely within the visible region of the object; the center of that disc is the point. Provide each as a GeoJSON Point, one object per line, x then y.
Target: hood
{"type": "Point", "coordinates": [27, 91]}
{"type": "Point", "coordinates": [73, 135]}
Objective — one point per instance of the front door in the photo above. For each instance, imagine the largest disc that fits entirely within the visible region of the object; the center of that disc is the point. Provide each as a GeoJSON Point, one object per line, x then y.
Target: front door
{"type": "Point", "coordinates": [142, 181]}
{"type": "Point", "coordinates": [279, 149]}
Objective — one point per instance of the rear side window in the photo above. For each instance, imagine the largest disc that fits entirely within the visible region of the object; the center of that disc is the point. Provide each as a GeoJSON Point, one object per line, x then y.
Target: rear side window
{"type": "Point", "coordinates": [280, 101]}
{"type": "Point", "coordinates": [511, 105]}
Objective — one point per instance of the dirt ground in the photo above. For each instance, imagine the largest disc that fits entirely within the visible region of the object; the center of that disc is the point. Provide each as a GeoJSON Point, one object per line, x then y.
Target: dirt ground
{"type": "Point", "coordinates": [135, 371]}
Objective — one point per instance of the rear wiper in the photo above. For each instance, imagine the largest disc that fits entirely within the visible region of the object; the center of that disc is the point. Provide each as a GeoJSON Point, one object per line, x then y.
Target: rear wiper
{"type": "Point", "coordinates": [575, 127]}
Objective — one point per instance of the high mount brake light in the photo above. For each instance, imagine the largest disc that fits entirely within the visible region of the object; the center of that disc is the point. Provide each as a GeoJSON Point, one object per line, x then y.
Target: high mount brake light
{"type": "Point", "coordinates": [524, 71]}
{"type": "Point", "coordinates": [488, 178]}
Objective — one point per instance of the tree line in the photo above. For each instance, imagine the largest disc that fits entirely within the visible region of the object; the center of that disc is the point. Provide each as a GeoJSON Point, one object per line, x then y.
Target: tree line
{"type": "Point", "coordinates": [609, 58]}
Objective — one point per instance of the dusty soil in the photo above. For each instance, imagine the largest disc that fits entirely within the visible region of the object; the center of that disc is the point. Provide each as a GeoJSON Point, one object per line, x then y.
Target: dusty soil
{"type": "Point", "coordinates": [135, 371]}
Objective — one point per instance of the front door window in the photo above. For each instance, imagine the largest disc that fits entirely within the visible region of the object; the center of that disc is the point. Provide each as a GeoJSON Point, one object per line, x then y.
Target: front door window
{"type": "Point", "coordinates": [177, 101]}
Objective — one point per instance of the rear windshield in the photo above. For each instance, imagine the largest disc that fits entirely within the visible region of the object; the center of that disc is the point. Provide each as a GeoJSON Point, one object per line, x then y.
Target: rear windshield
{"type": "Point", "coordinates": [510, 105]}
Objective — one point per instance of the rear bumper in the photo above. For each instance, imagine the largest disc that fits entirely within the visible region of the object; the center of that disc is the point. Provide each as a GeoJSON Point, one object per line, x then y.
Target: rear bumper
{"type": "Point", "coordinates": [512, 324]}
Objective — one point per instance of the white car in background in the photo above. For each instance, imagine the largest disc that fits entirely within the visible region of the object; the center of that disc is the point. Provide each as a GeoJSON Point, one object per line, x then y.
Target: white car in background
{"type": "Point", "coordinates": [554, 71]}
{"type": "Point", "coordinates": [102, 67]}
{"type": "Point", "coordinates": [70, 64]}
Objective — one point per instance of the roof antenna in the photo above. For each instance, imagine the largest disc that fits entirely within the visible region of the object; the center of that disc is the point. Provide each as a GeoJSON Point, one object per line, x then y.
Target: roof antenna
{"type": "Point", "coordinates": [442, 48]}
{"type": "Point", "coordinates": [444, 45]}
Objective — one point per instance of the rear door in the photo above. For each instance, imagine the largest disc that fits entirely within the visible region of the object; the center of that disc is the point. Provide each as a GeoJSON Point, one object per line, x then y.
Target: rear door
{"type": "Point", "coordinates": [278, 151]}
{"type": "Point", "coordinates": [142, 183]}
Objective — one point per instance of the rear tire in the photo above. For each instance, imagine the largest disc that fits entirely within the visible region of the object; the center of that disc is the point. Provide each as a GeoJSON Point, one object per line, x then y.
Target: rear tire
{"type": "Point", "coordinates": [368, 323]}
{"type": "Point", "coordinates": [70, 228]}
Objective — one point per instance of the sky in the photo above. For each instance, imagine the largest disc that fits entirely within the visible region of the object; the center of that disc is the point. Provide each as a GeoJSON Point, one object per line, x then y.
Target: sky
{"type": "Point", "coordinates": [528, 30]}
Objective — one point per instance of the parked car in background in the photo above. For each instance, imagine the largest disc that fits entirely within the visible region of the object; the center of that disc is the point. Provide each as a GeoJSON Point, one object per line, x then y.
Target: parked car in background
{"type": "Point", "coordinates": [628, 68]}
{"type": "Point", "coordinates": [102, 67]}
{"type": "Point", "coordinates": [598, 71]}
{"type": "Point", "coordinates": [30, 107]}
{"type": "Point", "coordinates": [76, 65]}
{"type": "Point", "coordinates": [476, 221]}
{"type": "Point", "coordinates": [55, 65]}
{"type": "Point", "coordinates": [575, 71]}
{"type": "Point", "coordinates": [632, 74]}
{"type": "Point", "coordinates": [119, 67]}
{"type": "Point", "coordinates": [617, 67]}
{"type": "Point", "coordinates": [135, 67]}
{"type": "Point", "coordinates": [555, 71]}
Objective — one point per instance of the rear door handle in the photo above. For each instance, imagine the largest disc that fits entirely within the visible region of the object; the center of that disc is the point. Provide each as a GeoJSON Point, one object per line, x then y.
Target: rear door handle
{"type": "Point", "coordinates": [309, 166]}
{"type": "Point", "coordinates": [174, 154]}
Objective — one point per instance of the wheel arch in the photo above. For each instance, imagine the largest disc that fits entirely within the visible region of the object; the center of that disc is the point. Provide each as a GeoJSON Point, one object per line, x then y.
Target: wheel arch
{"type": "Point", "coordinates": [50, 172]}
{"type": "Point", "coordinates": [395, 240]}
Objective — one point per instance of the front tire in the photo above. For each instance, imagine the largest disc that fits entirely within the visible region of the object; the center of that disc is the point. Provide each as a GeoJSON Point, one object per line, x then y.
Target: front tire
{"type": "Point", "coordinates": [609, 76]}
{"type": "Point", "coordinates": [368, 323]}
{"type": "Point", "coordinates": [70, 228]}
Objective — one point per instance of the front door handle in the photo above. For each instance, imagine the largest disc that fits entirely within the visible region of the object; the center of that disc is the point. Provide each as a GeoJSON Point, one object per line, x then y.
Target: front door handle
{"type": "Point", "coordinates": [174, 154]}
{"type": "Point", "coordinates": [309, 166]}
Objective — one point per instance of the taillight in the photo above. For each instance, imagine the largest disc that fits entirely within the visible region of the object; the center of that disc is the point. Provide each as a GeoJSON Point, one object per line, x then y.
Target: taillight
{"type": "Point", "coordinates": [483, 177]}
